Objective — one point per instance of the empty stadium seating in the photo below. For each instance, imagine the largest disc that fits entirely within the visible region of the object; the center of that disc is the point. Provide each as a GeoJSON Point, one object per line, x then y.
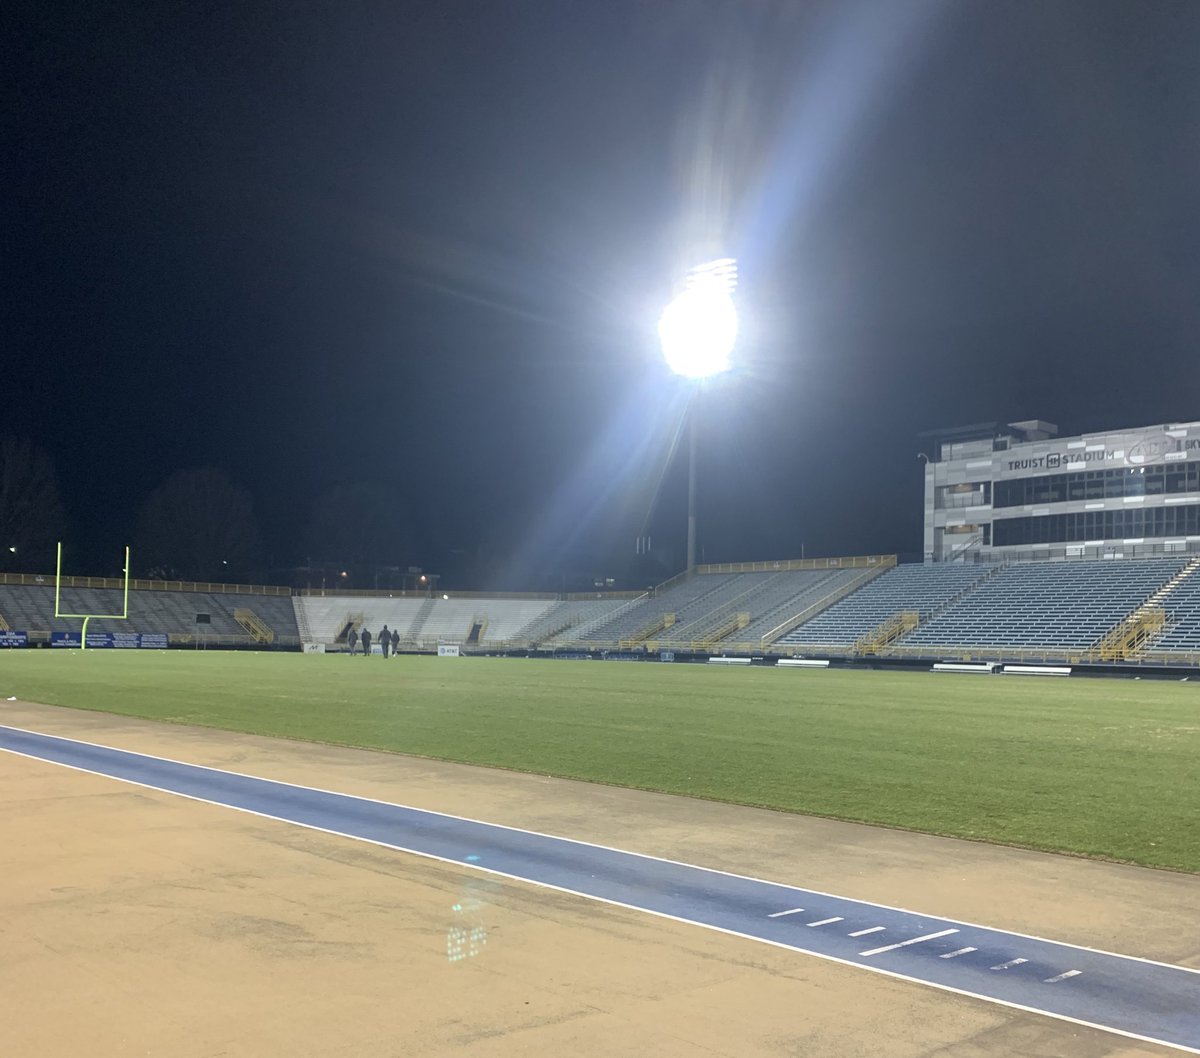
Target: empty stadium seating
{"type": "Point", "coordinates": [687, 599]}
{"type": "Point", "coordinates": [1069, 609]}
{"type": "Point", "coordinates": [1045, 606]}
{"type": "Point", "coordinates": [919, 588]}
{"type": "Point", "coordinates": [566, 615]}
{"type": "Point", "coordinates": [31, 608]}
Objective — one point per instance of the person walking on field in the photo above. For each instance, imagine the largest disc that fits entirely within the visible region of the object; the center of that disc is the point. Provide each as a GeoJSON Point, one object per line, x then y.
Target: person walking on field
{"type": "Point", "coordinates": [366, 640]}
{"type": "Point", "coordinates": [352, 639]}
{"type": "Point", "coordinates": [395, 641]}
{"type": "Point", "coordinates": [385, 640]}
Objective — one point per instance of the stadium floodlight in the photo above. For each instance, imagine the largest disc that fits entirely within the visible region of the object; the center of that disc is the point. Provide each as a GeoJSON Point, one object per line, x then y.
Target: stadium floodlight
{"type": "Point", "coordinates": [698, 330]}
{"type": "Point", "coordinates": [699, 327]}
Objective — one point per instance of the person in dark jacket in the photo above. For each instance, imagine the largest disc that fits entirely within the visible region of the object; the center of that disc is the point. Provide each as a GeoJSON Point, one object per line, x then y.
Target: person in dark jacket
{"type": "Point", "coordinates": [395, 641]}
{"type": "Point", "coordinates": [352, 639]}
{"type": "Point", "coordinates": [385, 640]}
{"type": "Point", "coordinates": [366, 640]}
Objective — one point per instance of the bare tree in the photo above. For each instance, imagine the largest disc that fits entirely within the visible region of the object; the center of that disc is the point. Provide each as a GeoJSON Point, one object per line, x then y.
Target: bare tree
{"type": "Point", "coordinates": [198, 525]}
{"type": "Point", "coordinates": [31, 511]}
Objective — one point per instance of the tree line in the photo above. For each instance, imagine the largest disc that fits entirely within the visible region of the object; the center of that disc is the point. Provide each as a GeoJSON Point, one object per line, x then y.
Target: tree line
{"type": "Point", "coordinates": [198, 524]}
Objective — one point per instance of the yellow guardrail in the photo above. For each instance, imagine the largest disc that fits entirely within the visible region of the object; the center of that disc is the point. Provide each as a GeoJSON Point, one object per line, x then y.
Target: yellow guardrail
{"type": "Point", "coordinates": [660, 624]}
{"type": "Point", "coordinates": [46, 580]}
{"type": "Point", "coordinates": [887, 631]}
{"type": "Point", "coordinates": [423, 593]}
{"type": "Point", "coordinates": [782, 565]}
{"type": "Point", "coordinates": [255, 625]}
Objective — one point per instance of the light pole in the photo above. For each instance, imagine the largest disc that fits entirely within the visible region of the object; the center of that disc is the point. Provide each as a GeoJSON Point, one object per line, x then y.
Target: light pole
{"type": "Point", "coordinates": [698, 330]}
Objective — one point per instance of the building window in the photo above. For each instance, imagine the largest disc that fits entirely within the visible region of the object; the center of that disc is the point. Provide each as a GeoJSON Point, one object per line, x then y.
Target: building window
{"type": "Point", "coordinates": [1097, 525]}
{"type": "Point", "coordinates": [1173, 479]}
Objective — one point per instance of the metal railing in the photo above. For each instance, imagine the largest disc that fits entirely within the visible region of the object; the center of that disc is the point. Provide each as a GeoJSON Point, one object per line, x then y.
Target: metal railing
{"type": "Point", "coordinates": [826, 601]}
{"type": "Point", "coordinates": [43, 580]}
{"type": "Point", "coordinates": [847, 562]}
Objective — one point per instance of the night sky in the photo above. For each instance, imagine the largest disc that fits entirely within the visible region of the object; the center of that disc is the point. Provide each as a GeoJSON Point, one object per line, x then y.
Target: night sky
{"type": "Point", "coordinates": [425, 246]}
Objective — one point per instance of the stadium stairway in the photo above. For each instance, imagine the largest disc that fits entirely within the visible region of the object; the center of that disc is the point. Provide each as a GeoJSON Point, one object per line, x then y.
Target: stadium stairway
{"type": "Point", "coordinates": [413, 634]}
{"type": "Point", "coordinates": [1141, 632]}
{"type": "Point", "coordinates": [301, 622]}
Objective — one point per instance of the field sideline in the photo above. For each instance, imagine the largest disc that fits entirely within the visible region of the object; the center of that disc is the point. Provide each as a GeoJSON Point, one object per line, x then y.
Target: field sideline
{"type": "Point", "coordinates": [1095, 767]}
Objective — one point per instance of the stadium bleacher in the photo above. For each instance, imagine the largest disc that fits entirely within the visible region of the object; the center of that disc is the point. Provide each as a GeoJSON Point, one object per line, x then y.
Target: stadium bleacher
{"type": "Point", "coordinates": [1046, 606]}
{"type": "Point", "coordinates": [31, 608]}
{"type": "Point", "coordinates": [688, 598]}
{"type": "Point", "coordinates": [1056, 609]}
{"type": "Point", "coordinates": [566, 615]}
{"type": "Point", "coordinates": [919, 588]}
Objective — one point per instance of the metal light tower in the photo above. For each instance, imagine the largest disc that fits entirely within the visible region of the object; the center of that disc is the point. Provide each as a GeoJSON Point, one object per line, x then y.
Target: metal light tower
{"type": "Point", "coordinates": [698, 330]}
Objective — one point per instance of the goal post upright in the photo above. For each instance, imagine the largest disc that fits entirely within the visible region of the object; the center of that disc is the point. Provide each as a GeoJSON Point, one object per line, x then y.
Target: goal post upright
{"type": "Point", "coordinates": [122, 616]}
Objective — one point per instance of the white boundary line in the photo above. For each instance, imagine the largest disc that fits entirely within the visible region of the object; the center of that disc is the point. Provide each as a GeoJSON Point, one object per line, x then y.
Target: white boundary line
{"type": "Point", "coordinates": [594, 845]}
{"type": "Point", "coordinates": [590, 896]}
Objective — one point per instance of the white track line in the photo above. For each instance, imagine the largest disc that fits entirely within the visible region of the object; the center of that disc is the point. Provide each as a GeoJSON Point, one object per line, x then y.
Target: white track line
{"type": "Point", "coordinates": [1062, 977]}
{"type": "Point", "coordinates": [864, 932]}
{"type": "Point", "coordinates": [1006, 965]}
{"type": "Point", "coordinates": [826, 921]}
{"type": "Point", "coordinates": [956, 954]}
{"type": "Point", "coordinates": [906, 943]}
{"type": "Point", "coordinates": [780, 914]}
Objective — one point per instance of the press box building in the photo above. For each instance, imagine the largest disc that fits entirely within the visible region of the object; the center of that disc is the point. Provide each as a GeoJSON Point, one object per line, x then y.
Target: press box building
{"type": "Point", "coordinates": [1018, 491]}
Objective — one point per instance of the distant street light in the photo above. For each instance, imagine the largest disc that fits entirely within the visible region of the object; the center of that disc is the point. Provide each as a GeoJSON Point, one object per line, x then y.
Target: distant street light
{"type": "Point", "coordinates": [698, 330]}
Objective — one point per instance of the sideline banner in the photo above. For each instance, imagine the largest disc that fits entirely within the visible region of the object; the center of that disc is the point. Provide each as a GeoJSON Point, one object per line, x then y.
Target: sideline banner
{"type": "Point", "coordinates": [14, 639]}
{"type": "Point", "coordinates": [117, 640]}
{"type": "Point", "coordinates": [447, 652]}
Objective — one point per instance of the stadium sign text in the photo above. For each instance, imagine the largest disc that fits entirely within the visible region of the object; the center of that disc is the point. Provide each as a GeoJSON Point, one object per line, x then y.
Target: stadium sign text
{"type": "Point", "coordinates": [1153, 448]}
{"type": "Point", "coordinates": [116, 640]}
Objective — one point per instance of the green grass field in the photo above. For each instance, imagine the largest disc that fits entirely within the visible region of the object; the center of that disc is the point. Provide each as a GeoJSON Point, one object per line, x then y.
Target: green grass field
{"type": "Point", "coordinates": [1106, 768]}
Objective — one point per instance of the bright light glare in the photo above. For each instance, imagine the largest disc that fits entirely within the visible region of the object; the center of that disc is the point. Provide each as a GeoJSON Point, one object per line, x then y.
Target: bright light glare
{"type": "Point", "coordinates": [698, 329]}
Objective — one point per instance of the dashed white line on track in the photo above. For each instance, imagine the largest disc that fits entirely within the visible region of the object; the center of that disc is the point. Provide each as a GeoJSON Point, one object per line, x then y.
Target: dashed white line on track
{"type": "Point", "coordinates": [906, 943]}
{"type": "Point", "coordinates": [1063, 976]}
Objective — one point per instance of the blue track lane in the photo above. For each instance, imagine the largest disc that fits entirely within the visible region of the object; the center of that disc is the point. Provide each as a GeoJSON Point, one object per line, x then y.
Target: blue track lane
{"type": "Point", "coordinates": [1145, 1000]}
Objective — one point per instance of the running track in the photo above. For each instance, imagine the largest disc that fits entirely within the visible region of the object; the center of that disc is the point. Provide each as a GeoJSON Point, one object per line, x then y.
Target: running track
{"type": "Point", "coordinates": [1149, 1001]}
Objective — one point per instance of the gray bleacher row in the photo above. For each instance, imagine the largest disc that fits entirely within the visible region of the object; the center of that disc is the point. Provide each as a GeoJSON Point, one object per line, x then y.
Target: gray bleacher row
{"type": "Point", "coordinates": [917, 588]}
{"type": "Point", "coordinates": [31, 608]}
{"type": "Point", "coordinates": [707, 602]}
{"type": "Point", "coordinates": [687, 599]}
{"type": "Point", "coordinates": [566, 615]}
{"type": "Point", "coordinates": [769, 599]}
{"type": "Point", "coordinates": [791, 594]}
{"type": "Point", "coordinates": [1049, 605]}
{"type": "Point", "coordinates": [1062, 605]}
